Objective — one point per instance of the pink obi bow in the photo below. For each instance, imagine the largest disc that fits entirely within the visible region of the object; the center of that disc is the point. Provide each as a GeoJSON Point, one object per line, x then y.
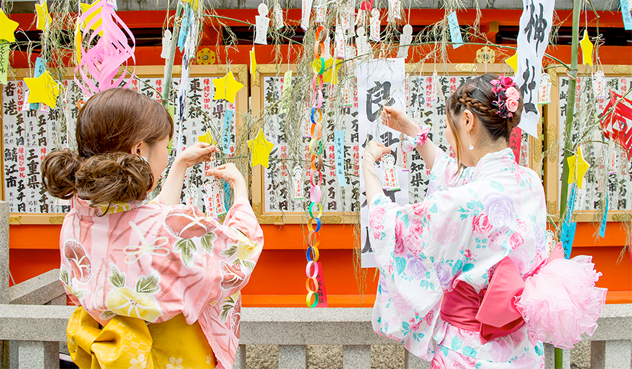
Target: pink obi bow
{"type": "Point", "coordinates": [493, 311]}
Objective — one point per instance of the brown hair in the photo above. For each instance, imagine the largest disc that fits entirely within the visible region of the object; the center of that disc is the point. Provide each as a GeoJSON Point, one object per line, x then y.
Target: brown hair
{"type": "Point", "coordinates": [476, 95]}
{"type": "Point", "coordinates": [102, 169]}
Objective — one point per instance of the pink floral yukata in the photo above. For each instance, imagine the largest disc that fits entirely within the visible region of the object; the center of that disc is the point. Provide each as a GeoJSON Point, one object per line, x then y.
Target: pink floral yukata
{"type": "Point", "coordinates": [460, 232]}
{"type": "Point", "coordinates": [155, 262]}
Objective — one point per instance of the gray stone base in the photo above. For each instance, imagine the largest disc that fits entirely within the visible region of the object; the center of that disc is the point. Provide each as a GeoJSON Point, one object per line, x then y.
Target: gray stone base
{"type": "Point", "coordinates": [382, 357]}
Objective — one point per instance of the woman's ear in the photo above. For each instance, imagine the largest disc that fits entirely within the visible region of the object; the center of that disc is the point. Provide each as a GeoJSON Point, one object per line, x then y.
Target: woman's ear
{"type": "Point", "coordinates": [468, 120]}
{"type": "Point", "coordinates": [136, 149]}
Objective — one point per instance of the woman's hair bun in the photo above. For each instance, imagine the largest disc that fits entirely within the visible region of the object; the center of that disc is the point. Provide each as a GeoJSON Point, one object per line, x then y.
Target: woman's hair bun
{"type": "Point", "coordinates": [58, 173]}
{"type": "Point", "coordinates": [114, 177]}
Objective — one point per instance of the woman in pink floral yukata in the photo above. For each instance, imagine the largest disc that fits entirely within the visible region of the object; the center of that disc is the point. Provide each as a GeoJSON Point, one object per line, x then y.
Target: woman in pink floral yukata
{"type": "Point", "coordinates": [157, 284]}
{"type": "Point", "coordinates": [464, 276]}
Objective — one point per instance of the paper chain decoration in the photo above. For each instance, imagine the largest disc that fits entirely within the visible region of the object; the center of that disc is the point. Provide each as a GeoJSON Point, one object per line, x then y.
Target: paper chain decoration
{"type": "Point", "coordinates": [98, 65]}
{"type": "Point", "coordinates": [613, 122]}
{"type": "Point", "coordinates": [315, 175]}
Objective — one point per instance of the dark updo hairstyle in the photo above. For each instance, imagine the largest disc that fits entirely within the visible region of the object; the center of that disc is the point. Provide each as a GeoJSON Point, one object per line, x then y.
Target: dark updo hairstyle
{"type": "Point", "coordinates": [476, 95]}
{"type": "Point", "coordinates": [102, 169]}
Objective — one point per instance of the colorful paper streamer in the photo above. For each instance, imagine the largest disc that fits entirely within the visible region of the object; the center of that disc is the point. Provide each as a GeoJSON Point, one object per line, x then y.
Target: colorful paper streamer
{"type": "Point", "coordinates": [4, 62]}
{"type": "Point", "coordinates": [40, 68]}
{"type": "Point", "coordinates": [455, 30]}
{"type": "Point", "coordinates": [626, 14]}
{"type": "Point", "coordinates": [604, 220]}
{"type": "Point", "coordinates": [339, 145]}
{"type": "Point", "coordinates": [228, 120]}
{"type": "Point", "coordinates": [101, 62]}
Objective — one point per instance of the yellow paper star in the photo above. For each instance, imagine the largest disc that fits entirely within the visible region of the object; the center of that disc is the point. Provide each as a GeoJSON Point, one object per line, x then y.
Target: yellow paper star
{"type": "Point", "coordinates": [253, 64]}
{"type": "Point", "coordinates": [577, 167]}
{"type": "Point", "coordinates": [587, 49]}
{"type": "Point", "coordinates": [260, 149]}
{"type": "Point", "coordinates": [512, 61]}
{"type": "Point", "coordinates": [207, 138]}
{"type": "Point", "coordinates": [226, 87]}
{"type": "Point", "coordinates": [7, 27]}
{"type": "Point", "coordinates": [78, 40]}
{"type": "Point", "coordinates": [43, 17]}
{"type": "Point", "coordinates": [331, 72]}
{"type": "Point", "coordinates": [96, 13]}
{"type": "Point", "coordinates": [43, 89]}
{"type": "Point", "coordinates": [194, 3]}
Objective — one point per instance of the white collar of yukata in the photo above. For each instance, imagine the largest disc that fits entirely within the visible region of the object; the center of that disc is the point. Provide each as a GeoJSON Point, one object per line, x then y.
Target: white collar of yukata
{"type": "Point", "coordinates": [85, 207]}
{"type": "Point", "coordinates": [494, 161]}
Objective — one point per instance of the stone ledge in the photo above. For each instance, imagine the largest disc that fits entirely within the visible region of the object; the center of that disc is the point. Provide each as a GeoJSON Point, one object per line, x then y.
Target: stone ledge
{"type": "Point", "coordinates": [34, 323]}
{"type": "Point", "coordinates": [615, 323]}
{"type": "Point", "coordinates": [38, 290]}
{"type": "Point", "coordinates": [275, 326]}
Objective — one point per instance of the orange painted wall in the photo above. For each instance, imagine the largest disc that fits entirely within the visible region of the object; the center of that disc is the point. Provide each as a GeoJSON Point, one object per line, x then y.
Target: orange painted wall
{"type": "Point", "coordinates": [279, 278]}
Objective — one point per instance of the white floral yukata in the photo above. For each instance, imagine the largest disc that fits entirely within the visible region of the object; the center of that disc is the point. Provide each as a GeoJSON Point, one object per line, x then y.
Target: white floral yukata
{"type": "Point", "coordinates": [463, 228]}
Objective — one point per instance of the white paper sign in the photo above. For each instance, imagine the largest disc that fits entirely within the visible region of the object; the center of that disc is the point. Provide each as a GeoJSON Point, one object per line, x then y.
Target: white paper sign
{"type": "Point", "coordinates": [533, 39]}
{"type": "Point", "coordinates": [306, 13]}
{"type": "Point", "coordinates": [380, 82]}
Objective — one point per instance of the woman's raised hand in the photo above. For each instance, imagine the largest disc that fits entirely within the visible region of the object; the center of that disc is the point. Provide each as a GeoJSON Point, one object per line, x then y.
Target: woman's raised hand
{"type": "Point", "coordinates": [233, 176]}
{"type": "Point", "coordinates": [196, 153]}
{"type": "Point", "coordinates": [374, 151]}
{"type": "Point", "coordinates": [396, 119]}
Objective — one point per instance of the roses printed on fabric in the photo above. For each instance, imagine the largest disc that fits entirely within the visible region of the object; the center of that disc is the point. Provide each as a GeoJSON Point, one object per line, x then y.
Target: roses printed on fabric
{"type": "Point", "coordinates": [507, 96]}
{"type": "Point", "coordinates": [500, 210]}
{"type": "Point", "coordinates": [481, 224]}
{"type": "Point", "coordinates": [376, 220]}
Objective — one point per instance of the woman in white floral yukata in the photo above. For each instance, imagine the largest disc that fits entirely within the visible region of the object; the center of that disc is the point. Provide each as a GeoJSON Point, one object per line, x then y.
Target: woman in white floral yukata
{"type": "Point", "coordinates": [157, 284]}
{"type": "Point", "coordinates": [464, 276]}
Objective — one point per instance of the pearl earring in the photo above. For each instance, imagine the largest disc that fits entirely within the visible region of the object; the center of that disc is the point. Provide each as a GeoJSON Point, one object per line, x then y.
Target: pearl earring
{"type": "Point", "coordinates": [471, 147]}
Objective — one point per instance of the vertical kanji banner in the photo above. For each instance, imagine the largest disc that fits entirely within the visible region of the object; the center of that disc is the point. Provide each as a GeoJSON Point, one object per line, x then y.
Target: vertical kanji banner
{"type": "Point", "coordinates": [380, 82]}
{"type": "Point", "coordinates": [533, 39]}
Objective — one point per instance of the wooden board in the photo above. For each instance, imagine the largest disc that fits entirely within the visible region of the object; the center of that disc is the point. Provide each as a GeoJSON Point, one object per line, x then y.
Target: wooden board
{"type": "Point", "coordinates": [273, 187]}
{"type": "Point", "coordinates": [50, 212]}
{"type": "Point", "coordinates": [619, 184]}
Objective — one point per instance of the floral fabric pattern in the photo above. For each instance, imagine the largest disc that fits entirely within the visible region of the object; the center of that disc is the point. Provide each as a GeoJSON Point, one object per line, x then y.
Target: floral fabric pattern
{"type": "Point", "coordinates": [464, 227]}
{"type": "Point", "coordinates": [155, 261]}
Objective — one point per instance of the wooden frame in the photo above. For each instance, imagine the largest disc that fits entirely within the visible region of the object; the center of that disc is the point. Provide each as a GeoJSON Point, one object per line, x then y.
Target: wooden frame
{"type": "Point", "coordinates": [551, 167]}
{"type": "Point", "coordinates": [258, 203]}
{"type": "Point", "coordinates": [257, 102]}
{"type": "Point", "coordinates": [240, 72]}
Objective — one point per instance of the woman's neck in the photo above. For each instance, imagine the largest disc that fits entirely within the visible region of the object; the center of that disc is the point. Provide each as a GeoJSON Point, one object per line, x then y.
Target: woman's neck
{"type": "Point", "coordinates": [478, 154]}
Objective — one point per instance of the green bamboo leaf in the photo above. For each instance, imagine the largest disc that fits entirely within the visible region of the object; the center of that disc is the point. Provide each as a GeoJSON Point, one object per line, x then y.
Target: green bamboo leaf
{"type": "Point", "coordinates": [148, 284]}
{"type": "Point", "coordinates": [249, 264]}
{"type": "Point", "coordinates": [116, 277]}
{"type": "Point", "coordinates": [107, 315]}
{"type": "Point", "coordinates": [229, 251]}
{"type": "Point", "coordinates": [187, 250]}
{"type": "Point", "coordinates": [64, 276]}
{"type": "Point", "coordinates": [207, 242]}
{"type": "Point", "coordinates": [80, 293]}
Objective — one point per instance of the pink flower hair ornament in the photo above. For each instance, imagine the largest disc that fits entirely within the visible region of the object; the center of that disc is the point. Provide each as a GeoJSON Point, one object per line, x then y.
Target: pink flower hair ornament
{"type": "Point", "coordinates": [507, 96]}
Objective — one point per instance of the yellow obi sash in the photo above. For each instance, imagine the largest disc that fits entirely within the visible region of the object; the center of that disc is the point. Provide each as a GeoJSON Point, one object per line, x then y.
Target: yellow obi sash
{"type": "Point", "coordinates": [131, 343]}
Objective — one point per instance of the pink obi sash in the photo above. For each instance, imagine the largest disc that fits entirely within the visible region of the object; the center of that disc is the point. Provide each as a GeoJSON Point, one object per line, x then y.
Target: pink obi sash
{"type": "Point", "coordinates": [493, 311]}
